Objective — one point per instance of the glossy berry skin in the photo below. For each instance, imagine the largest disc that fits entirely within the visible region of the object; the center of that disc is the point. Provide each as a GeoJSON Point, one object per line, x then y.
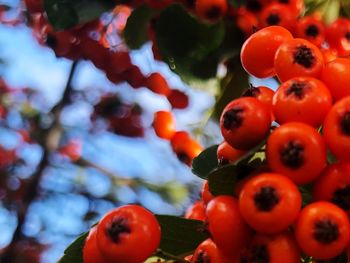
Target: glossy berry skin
{"type": "Point", "coordinates": [245, 122]}
{"type": "Point", "coordinates": [123, 229]}
{"type": "Point", "coordinates": [296, 6]}
{"type": "Point", "coordinates": [119, 62]}
{"type": "Point", "coordinates": [91, 253]}
{"type": "Point", "coordinates": [312, 29]}
{"type": "Point", "coordinates": [276, 14]}
{"type": "Point", "coordinates": [329, 55]}
{"type": "Point", "coordinates": [226, 225]}
{"type": "Point", "coordinates": [281, 247]}
{"type": "Point", "coordinates": [261, 93]}
{"type": "Point", "coordinates": [297, 151]}
{"type": "Point", "coordinates": [196, 211]}
{"type": "Point", "coordinates": [34, 6]}
{"type": "Point", "coordinates": [185, 147]}
{"type": "Point", "coordinates": [258, 51]}
{"type": "Point", "coordinates": [334, 186]}
{"type": "Point", "coordinates": [337, 35]}
{"type": "Point", "coordinates": [164, 124]}
{"type": "Point", "coordinates": [336, 129]}
{"type": "Point", "coordinates": [208, 251]}
{"type": "Point", "coordinates": [269, 203]}
{"type": "Point", "coordinates": [246, 21]}
{"type": "Point", "coordinates": [336, 76]}
{"type": "Point", "coordinates": [206, 195]}
{"type": "Point", "coordinates": [298, 58]}
{"type": "Point", "coordinates": [227, 154]}
{"type": "Point", "coordinates": [302, 99]}
{"type": "Point", "coordinates": [158, 84]}
{"type": "Point", "coordinates": [322, 230]}
{"type": "Point", "coordinates": [211, 10]}
{"type": "Point", "coordinates": [178, 99]}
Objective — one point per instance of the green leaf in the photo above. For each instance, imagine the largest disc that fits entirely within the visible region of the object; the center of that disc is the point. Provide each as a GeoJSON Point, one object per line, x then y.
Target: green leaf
{"type": "Point", "coordinates": [180, 236]}
{"type": "Point", "coordinates": [135, 33]}
{"type": "Point", "coordinates": [64, 14]}
{"type": "Point", "coordinates": [223, 180]}
{"type": "Point", "coordinates": [331, 158]}
{"type": "Point", "coordinates": [74, 253]}
{"type": "Point", "coordinates": [306, 194]}
{"type": "Point", "coordinates": [235, 82]}
{"type": "Point", "coordinates": [187, 44]}
{"type": "Point", "coordinates": [205, 162]}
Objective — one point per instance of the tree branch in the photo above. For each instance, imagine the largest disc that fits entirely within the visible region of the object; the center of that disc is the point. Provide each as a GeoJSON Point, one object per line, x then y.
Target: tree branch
{"type": "Point", "coordinates": [32, 190]}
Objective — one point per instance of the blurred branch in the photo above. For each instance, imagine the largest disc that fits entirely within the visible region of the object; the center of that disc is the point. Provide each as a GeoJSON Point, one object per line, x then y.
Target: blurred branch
{"type": "Point", "coordinates": [49, 141]}
{"type": "Point", "coordinates": [172, 191]}
{"type": "Point", "coordinates": [114, 177]}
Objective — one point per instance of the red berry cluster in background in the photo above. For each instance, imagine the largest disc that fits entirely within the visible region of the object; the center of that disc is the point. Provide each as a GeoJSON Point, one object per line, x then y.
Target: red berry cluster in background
{"type": "Point", "coordinates": [266, 218]}
{"type": "Point", "coordinates": [100, 42]}
{"type": "Point", "coordinates": [184, 146]}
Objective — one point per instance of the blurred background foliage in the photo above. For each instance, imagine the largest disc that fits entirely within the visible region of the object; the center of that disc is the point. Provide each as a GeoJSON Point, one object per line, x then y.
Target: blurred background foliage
{"type": "Point", "coordinates": [63, 162]}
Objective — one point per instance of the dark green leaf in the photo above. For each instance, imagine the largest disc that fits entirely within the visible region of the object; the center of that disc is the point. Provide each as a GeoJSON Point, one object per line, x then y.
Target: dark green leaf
{"type": "Point", "coordinates": [222, 180]}
{"type": "Point", "coordinates": [233, 85]}
{"type": "Point", "coordinates": [306, 194]}
{"type": "Point", "coordinates": [331, 158]}
{"type": "Point", "coordinates": [64, 14]}
{"type": "Point", "coordinates": [180, 236]}
{"type": "Point", "coordinates": [135, 33]}
{"type": "Point", "coordinates": [204, 163]}
{"type": "Point", "coordinates": [74, 253]}
{"type": "Point", "coordinates": [187, 44]}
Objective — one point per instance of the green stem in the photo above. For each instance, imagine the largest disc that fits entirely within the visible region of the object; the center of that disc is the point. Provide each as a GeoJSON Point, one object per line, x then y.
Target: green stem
{"type": "Point", "coordinates": [163, 254]}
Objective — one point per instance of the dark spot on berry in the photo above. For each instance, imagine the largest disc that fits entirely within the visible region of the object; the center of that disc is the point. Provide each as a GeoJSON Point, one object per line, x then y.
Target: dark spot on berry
{"type": "Point", "coordinates": [251, 92]}
{"type": "Point", "coordinates": [325, 231]}
{"type": "Point", "coordinates": [303, 56]}
{"type": "Point", "coordinates": [273, 19]}
{"type": "Point", "coordinates": [341, 197]}
{"type": "Point", "coordinates": [297, 89]}
{"type": "Point", "coordinates": [312, 31]}
{"type": "Point", "coordinates": [345, 123]}
{"type": "Point", "coordinates": [51, 41]}
{"type": "Point", "coordinates": [202, 257]}
{"type": "Point", "coordinates": [292, 155]}
{"type": "Point", "coordinates": [109, 106]}
{"type": "Point", "coordinates": [347, 35]}
{"type": "Point", "coordinates": [266, 199]}
{"type": "Point", "coordinates": [117, 227]}
{"type": "Point", "coordinates": [284, 1]}
{"type": "Point", "coordinates": [253, 5]}
{"type": "Point", "coordinates": [257, 254]}
{"type": "Point", "coordinates": [222, 161]}
{"type": "Point", "coordinates": [190, 3]}
{"type": "Point", "coordinates": [233, 118]}
{"type": "Point", "coordinates": [213, 13]}
{"type": "Point", "coordinates": [183, 157]}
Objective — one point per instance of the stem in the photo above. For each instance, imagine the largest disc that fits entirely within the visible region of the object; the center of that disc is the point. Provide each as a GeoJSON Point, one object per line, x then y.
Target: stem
{"type": "Point", "coordinates": [32, 190]}
{"type": "Point", "coordinates": [114, 177]}
{"type": "Point", "coordinates": [161, 253]}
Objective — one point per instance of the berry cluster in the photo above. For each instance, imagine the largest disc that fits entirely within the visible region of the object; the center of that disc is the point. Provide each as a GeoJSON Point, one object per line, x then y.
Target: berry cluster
{"type": "Point", "coordinates": [100, 42]}
{"type": "Point", "coordinates": [266, 220]}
